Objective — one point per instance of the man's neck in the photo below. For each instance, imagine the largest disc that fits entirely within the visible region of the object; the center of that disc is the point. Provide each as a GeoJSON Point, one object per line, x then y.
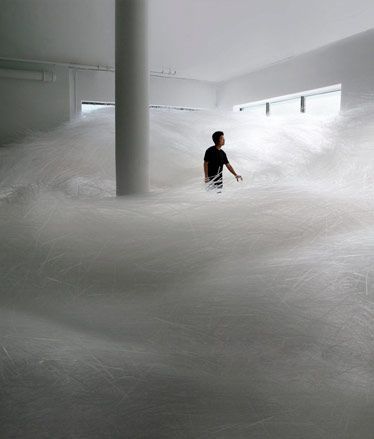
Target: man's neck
{"type": "Point", "coordinates": [218, 147]}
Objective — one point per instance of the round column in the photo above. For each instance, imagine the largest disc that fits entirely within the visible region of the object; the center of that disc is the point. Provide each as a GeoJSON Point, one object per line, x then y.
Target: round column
{"type": "Point", "coordinates": [132, 96]}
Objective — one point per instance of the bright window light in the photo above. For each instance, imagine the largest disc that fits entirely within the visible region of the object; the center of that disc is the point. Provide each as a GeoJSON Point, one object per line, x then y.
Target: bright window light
{"type": "Point", "coordinates": [259, 110]}
{"type": "Point", "coordinates": [289, 107]}
{"type": "Point", "coordinates": [323, 102]}
{"type": "Point", "coordinates": [88, 107]}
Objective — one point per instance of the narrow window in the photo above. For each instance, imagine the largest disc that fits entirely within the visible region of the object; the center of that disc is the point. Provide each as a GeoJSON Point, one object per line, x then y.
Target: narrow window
{"type": "Point", "coordinates": [288, 107]}
{"type": "Point", "coordinates": [88, 107]}
{"type": "Point", "coordinates": [323, 103]}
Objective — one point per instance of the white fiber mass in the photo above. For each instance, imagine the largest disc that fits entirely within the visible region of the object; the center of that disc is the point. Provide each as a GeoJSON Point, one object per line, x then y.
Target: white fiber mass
{"type": "Point", "coordinates": [184, 313]}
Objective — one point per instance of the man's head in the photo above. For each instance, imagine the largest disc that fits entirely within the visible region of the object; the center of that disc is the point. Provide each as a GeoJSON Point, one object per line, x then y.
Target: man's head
{"type": "Point", "coordinates": [218, 139]}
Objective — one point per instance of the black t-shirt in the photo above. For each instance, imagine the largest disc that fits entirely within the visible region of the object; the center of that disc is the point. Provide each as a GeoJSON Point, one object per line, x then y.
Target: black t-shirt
{"type": "Point", "coordinates": [216, 158]}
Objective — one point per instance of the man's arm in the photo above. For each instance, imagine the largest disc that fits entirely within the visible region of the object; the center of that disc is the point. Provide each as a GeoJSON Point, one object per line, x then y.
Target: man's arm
{"type": "Point", "coordinates": [206, 171]}
{"type": "Point", "coordinates": [231, 169]}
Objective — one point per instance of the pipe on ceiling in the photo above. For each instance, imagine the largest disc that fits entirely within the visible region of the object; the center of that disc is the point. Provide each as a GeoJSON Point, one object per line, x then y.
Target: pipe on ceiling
{"type": "Point", "coordinates": [31, 75]}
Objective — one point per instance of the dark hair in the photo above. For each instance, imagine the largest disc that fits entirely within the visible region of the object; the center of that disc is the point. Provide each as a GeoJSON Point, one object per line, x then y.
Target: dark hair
{"type": "Point", "coordinates": [216, 136]}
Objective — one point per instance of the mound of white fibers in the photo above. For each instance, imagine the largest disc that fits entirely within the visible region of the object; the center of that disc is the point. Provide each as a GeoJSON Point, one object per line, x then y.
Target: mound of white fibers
{"type": "Point", "coordinates": [78, 157]}
{"type": "Point", "coordinates": [184, 313]}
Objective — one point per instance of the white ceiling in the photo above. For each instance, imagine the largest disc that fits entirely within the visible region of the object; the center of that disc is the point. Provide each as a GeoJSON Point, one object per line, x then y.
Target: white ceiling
{"type": "Point", "coordinates": [211, 40]}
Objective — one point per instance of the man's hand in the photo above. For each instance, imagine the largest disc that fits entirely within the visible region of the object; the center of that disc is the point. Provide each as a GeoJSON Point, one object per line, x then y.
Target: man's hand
{"type": "Point", "coordinates": [206, 179]}
{"type": "Point", "coordinates": [231, 169]}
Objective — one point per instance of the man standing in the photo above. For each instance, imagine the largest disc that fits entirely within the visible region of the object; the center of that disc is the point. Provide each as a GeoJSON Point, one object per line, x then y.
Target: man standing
{"type": "Point", "coordinates": [214, 160]}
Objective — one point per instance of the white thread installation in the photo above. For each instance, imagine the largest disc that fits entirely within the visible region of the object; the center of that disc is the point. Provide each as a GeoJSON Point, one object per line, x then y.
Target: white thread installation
{"type": "Point", "coordinates": [216, 298]}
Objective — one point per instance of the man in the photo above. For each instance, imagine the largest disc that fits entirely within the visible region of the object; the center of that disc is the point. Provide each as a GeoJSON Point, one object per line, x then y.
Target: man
{"type": "Point", "coordinates": [214, 160]}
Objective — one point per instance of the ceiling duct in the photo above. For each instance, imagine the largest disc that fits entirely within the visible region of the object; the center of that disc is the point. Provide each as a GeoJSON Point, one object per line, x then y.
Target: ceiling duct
{"type": "Point", "coordinates": [31, 75]}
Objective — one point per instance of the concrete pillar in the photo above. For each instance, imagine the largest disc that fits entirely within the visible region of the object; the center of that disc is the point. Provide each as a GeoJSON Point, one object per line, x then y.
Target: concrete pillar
{"type": "Point", "coordinates": [132, 96]}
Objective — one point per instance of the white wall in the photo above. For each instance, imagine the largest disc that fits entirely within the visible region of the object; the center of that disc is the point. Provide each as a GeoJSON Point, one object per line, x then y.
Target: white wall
{"type": "Point", "coordinates": [27, 105]}
{"type": "Point", "coordinates": [183, 93]}
{"type": "Point", "coordinates": [32, 105]}
{"type": "Point", "coordinates": [99, 86]}
{"type": "Point", "coordinates": [92, 86]}
{"type": "Point", "coordinates": [349, 62]}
